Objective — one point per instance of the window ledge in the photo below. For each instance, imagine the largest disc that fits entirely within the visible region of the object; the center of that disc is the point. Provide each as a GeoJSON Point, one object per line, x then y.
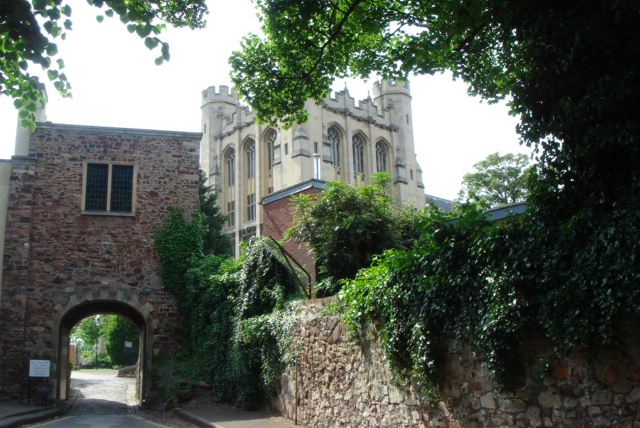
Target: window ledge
{"type": "Point", "coordinates": [106, 213]}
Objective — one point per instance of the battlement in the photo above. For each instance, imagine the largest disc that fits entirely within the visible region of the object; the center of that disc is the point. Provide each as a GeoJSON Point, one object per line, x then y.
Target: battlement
{"type": "Point", "coordinates": [223, 95]}
{"type": "Point", "coordinates": [342, 101]}
{"type": "Point", "coordinates": [391, 87]}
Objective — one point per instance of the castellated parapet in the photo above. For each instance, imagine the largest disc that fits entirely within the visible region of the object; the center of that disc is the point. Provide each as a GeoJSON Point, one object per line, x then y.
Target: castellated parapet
{"type": "Point", "coordinates": [223, 95]}
{"type": "Point", "coordinates": [391, 87]}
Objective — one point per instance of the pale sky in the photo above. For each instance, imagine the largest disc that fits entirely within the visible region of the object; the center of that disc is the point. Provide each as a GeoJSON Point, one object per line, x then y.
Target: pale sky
{"type": "Point", "coordinates": [116, 83]}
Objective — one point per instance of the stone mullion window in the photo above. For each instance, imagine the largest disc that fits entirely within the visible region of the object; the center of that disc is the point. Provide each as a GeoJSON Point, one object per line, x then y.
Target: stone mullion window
{"type": "Point", "coordinates": [251, 159]}
{"type": "Point", "coordinates": [334, 139]}
{"type": "Point", "coordinates": [381, 157]}
{"type": "Point", "coordinates": [358, 154]}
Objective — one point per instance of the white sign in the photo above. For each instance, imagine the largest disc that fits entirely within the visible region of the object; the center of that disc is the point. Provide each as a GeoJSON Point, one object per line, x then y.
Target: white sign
{"type": "Point", "coordinates": [39, 368]}
{"type": "Point", "coordinates": [128, 344]}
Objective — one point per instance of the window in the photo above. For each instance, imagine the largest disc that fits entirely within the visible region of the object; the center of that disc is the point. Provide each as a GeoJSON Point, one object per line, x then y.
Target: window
{"type": "Point", "coordinates": [381, 157]}
{"type": "Point", "coordinates": [108, 188]}
{"type": "Point", "coordinates": [251, 158]}
{"type": "Point", "coordinates": [231, 213]}
{"type": "Point", "coordinates": [358, 154]}
{"type": "Point", "coordinates": [334, 139]}
{"type": "Point", "coordinates": [231, 167]}
{"type": "Point", "coordinates": [251, 207]}
{"type": "Point", "coordinates": [271, 141]}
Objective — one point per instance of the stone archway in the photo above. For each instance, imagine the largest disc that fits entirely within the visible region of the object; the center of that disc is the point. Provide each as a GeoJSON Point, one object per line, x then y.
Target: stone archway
{"type": "Point", "coordinates": [69, 316]}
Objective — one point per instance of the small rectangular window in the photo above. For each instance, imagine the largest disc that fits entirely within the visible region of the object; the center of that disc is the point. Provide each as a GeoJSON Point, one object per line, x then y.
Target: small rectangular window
{"type": "Point", "coordinates": [251, 207]}
{"type": "Point", "coordinates": [286, 149]}
{"type": "Point", "coordinates": [231, 213]}
{"type": "Point", "coordinates": [108, 189]}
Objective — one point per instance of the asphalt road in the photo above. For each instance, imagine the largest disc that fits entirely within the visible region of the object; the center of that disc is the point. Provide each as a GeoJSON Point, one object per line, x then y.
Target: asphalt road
{"type": "Point", "coordinates": [103, 401]}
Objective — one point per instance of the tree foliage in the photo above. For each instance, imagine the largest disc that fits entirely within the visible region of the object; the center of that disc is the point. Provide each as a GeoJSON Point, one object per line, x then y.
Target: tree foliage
{"type": "Point", "coordinates": [89, 330]}
{"type": "Point", "coordinates": [214, 241]}
{"type": "Point", "coordinates": [29, 29]}
{"type": "Point", "coordinates": [568, 68]}
{"type": "Point", "coordinates": [498, 180]}
{"type": "Point", "coordinates": [117, 331]}
{"type": "Point", "coordinates": [346, 225]}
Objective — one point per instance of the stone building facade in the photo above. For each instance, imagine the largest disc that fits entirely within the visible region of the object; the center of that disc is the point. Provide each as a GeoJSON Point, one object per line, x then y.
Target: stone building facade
{"type": "Point", "coordinates": [342, 140]}
{"type": "Point", "coordinates": [83, 207]}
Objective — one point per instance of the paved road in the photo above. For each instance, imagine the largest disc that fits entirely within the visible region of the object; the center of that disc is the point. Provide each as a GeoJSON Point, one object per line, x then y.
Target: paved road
{"type": "Point", "coordinates": [104, 401]}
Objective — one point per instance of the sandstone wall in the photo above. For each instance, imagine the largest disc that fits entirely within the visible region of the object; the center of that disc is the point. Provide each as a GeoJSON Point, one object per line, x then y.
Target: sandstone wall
{"type": "Point", "coordinates": [336, 382]}
{"type": "Point", "coordinates": [60, 261]}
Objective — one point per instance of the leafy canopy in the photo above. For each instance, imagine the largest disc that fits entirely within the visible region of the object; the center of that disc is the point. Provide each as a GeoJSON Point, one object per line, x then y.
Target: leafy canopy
{"type": "Point", "coordinates": [29, 28]}
{"type": "Point", "coordinates": [568, 68]}
{"type": "Point", "coordinates": [498, 180]}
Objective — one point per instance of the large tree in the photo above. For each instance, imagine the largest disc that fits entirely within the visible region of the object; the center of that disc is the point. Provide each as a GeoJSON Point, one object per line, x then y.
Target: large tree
{"type": "Point", "coordinates": [28, 29]}
{"type": "Point", "coordinates": [498, 180]}
{"type": "Point", "coordinates": [569, 69]}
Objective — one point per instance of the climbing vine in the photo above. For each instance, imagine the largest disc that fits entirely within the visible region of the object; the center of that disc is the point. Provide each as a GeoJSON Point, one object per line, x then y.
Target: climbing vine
{"type": "Point", "coordinates": [495, 286]}
{"type": "Point", "coordinates": [237, 315]}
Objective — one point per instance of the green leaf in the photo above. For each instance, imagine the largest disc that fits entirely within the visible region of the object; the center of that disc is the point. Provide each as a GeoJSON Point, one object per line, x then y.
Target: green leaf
{"type": "Point", "coordinates": [52, 49]}
{"type": "Point", "coordinates": [151, 42]}
{"type": "Point", "coordinates": [100, 18]}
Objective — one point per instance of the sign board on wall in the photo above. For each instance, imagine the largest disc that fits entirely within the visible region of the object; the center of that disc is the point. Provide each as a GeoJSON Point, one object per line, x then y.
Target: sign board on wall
{"type": "Point", "coordinates": [39, 368]}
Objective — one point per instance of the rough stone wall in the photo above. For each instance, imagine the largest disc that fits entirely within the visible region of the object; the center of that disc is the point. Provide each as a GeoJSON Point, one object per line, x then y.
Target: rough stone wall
{"type": "Point", "coordinates": [55, 257]}
{"type": "Point", "coordinates": [277, 219]}
{"type": "Point", "coordinates": [336, 382]}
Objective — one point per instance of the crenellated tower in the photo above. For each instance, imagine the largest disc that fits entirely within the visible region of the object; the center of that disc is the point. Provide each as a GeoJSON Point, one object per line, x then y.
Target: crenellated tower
{"type": "Point", "coordinates": [219, 108]}
{"type": "Point", "coordinates": [393, 98]}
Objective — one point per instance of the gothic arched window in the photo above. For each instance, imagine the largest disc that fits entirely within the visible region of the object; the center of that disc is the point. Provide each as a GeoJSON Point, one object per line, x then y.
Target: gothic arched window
{"type": "Point", "coordinates": [358, 154]}
{"type": "Point", "coordinates": [250, 149]}
{"type": "Point", "coordinates": [231, 167]}
{"type": "Point", "coordinates": [334, 139]}
{"type": "Point", "coordinates": [381, 157]}
{"type": "Point", "coordinates": [271, 141]}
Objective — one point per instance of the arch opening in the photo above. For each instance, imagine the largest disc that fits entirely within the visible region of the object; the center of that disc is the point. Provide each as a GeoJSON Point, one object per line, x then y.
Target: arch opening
{"type": "Point", "coordinates": [100, 307]}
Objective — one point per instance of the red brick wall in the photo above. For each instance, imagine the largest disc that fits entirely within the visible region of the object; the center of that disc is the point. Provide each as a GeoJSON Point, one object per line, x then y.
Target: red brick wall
{"type": "Point", "coordinates": [277, 219]}
{"type": "Point", "coordinates": [55, 256]}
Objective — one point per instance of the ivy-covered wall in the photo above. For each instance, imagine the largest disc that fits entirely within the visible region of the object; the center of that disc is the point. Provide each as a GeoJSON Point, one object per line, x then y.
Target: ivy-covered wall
{"type": "Point", "coordinates": [338, 382]}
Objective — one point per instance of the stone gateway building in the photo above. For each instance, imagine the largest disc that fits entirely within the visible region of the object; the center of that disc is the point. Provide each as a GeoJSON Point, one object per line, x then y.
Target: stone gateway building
{"type": "Point", "coordinates": [249, 162]}
{"type": "Point", "coordinates": [82, 207]}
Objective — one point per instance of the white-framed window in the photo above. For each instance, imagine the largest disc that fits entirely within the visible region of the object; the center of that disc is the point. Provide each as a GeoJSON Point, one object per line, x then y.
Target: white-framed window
{"type": "Point", "coordinates": [109, 188]}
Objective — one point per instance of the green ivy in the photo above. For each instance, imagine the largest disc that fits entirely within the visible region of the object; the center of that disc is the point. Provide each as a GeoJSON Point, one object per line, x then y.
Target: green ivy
{"type": "Point", "coordinates": [495, 286]}
{"type": "Point", "coordinates": [237, 315]}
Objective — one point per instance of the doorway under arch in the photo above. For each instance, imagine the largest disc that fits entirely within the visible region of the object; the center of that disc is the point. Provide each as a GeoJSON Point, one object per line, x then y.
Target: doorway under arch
{"type": "Point", "coordinates": [86, 309]}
